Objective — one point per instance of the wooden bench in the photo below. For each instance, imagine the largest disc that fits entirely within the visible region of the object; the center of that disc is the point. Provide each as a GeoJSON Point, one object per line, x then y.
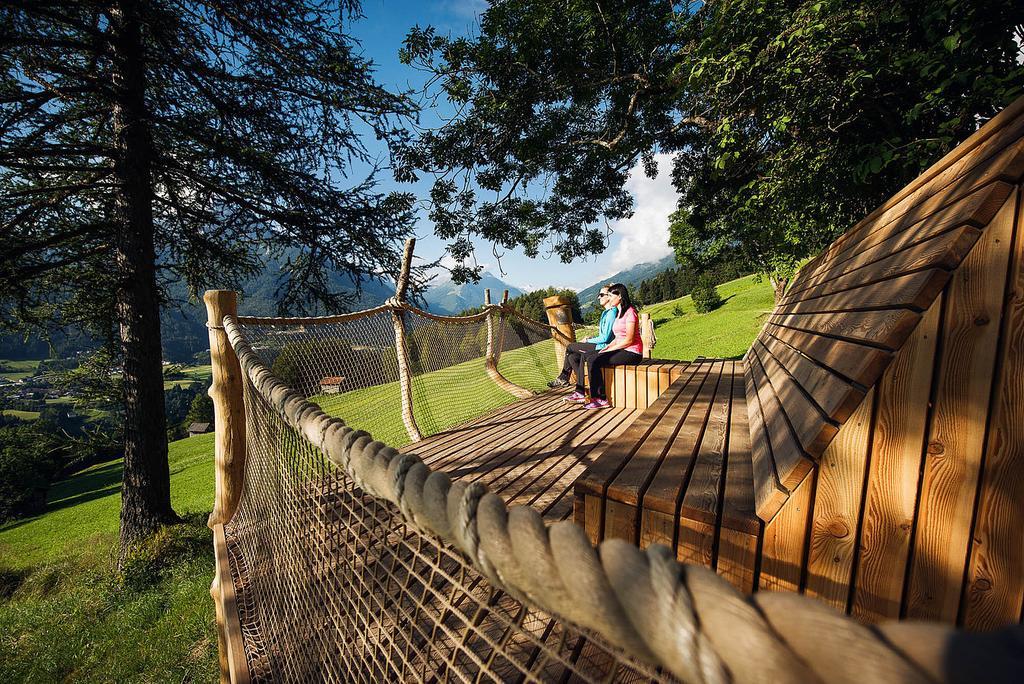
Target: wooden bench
{"type": "Point", "coordinates": [681, 475]}
{"type": "Point", "coordinates": [868, 447]}
{"type": "Point", "coordinates": [639, 385]}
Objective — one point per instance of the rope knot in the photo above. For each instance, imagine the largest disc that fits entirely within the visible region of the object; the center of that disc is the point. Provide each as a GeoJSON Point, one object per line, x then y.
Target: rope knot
{"type": "Point", "coordinates": [403, 464]}
{"type": "Point", "coordinates": [468, 531]}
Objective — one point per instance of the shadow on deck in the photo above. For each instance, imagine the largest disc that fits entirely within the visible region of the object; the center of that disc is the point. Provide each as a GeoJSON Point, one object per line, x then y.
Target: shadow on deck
{"type": "Point", "coordinates": [530, 452]}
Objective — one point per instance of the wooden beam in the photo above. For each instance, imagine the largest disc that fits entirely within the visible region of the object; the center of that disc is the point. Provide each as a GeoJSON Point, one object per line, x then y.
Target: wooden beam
{"type": "Point", "coordinates": [402, 345]}
{"type": "Point", "coordinates": [228, 409]}
{"type": "Point", "coordinates": [559, 311]}
{"type": "Point", "coordinates": [234, 668]}
{"type": "Point", "coordinates": [647, 334]}
{"type": "Point", "coordinates": [495, 340]}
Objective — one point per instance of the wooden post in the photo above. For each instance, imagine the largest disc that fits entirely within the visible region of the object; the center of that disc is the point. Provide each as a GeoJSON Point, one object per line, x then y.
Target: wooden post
{"type": "Point", "coordinates": [494, 342]}
{"type": "Point", "coordinates": [559, 311]}
{"type": "Point", "coordinates": [402, 346]}
{"type": "Point", "coordinates": [228, 409]}
{"type": "Point", "coordinates": [492, 354]}
{"type": "Point", "coordinates": [234, 669]}
{"type": "Point", "coordinates": [647, 334]}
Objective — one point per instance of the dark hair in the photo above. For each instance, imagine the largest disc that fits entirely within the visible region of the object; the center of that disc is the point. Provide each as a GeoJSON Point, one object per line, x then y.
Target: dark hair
{"type": "Point", "coordinates": [624, 302]}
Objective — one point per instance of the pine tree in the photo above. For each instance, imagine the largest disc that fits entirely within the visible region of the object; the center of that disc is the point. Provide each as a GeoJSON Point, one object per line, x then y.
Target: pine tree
{"type": "Point", "coordinates": [156, 141]}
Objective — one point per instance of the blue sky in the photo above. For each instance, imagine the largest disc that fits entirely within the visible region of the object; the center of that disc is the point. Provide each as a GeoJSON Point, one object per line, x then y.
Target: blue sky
{"type": "Point", "coordinates": [641, 238]}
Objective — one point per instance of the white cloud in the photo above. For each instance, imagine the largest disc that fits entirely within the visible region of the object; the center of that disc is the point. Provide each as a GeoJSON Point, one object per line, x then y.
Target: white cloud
{"type": "Point", "coordinates": [465, 9]}
{"type": "Point", "coordinates": [644, 236]}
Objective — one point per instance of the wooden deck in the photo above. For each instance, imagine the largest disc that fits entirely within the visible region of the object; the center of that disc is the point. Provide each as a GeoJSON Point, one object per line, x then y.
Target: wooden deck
{"type": "Point", "coordinates": [530, 452]}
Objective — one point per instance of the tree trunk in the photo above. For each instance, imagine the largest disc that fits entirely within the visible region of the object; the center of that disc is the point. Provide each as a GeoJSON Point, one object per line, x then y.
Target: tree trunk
{"type": "Point", "coordinates": [146, 487]}
{"type": "Point", "coordinates": [779, 286]}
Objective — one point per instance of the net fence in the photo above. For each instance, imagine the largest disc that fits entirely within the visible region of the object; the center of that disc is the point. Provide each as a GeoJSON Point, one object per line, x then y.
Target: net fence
{"type": "Point", "coordinates": [332, 583]}
{"type": "Point", "coordinates": [349, 366]}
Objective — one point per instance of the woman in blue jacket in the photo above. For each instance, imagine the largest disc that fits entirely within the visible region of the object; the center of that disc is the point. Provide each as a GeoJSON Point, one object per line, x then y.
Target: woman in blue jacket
{"type": "Point", "coordinates": [575, 352]}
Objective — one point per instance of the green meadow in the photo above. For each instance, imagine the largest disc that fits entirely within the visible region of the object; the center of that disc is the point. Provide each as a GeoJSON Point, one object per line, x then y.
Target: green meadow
{"type": "Point", "coordinates": [726, 332]}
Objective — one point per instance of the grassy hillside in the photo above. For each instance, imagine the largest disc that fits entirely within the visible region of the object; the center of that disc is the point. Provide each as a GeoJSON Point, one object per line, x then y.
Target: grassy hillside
{"type": "Point", "coordinates": [64, 612]}
{"type": "Point", "coordinates": [17, 370]}
{"type": "Point", "coordinates": [726, 332]}
{"type": "Point", "coordinates": [84, 508]}
{"type": "Point", "coordinates": [65, 615]}
{"type": "Point", "coordinates": [444, 398]}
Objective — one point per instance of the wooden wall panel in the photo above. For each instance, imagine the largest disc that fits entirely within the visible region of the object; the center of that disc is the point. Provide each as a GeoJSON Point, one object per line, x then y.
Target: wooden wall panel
{"type": "Point", "coordinates": [957, 430]}
{"type": "Point", "coordinates": [894, 473]}
{"type": "Point", "coordinates": [782, 551]}
{"type": "Point", "coordinates": [837, 508]}
{"type": "Point", "coordinates": [994, 589]}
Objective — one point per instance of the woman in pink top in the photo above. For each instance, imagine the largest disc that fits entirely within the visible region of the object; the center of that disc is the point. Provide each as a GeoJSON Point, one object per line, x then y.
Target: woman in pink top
{"type": "Point", "coordinates": [626, 348]}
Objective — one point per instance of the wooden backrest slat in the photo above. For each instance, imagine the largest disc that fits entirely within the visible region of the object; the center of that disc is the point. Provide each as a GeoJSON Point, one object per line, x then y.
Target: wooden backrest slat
{"type": "Point", "coordinates": [1006, 166]}
{"type": "Point", "coordinates": [912, 291]}
{"type": "Point", "coordinates": [836, 397]}
{"type": "Point", "coordinates": [769, 494]}
{"type": "Point", "coordinates": [883, 328]}
{"type": "Point", "coordinates": [974, 210]}
{"type": "Point", "coordinates": [1001, 131]}
{"type": "Point", "coordinates": [944, 251]}
{"type": "Point", "coordinates": [787, 453]}
{"type": "Point", "coordinates": [857, 363]}
{"type": "Point", "coordinates": [809, 424]}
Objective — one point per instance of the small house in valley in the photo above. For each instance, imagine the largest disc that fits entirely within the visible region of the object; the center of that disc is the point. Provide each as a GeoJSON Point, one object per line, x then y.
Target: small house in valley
{"type": "Point", "coordinates": [331, 384]}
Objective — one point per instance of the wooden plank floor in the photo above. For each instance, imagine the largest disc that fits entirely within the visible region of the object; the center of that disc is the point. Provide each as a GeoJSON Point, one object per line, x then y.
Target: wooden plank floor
{"type": "Point", "coordinates": [529, 452]}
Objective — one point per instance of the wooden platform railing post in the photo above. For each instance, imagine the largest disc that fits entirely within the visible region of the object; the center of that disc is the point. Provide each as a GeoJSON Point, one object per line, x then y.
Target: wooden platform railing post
{"type": "Point", "coordinates": [647, 333]}
{"type": "Point", "coordinates": [228, 409]}
{"type": "Point", "coordinates": [495, 339]}
{"type": "Point", "coordinates": [402, 345]}
{"type": "Point", "coordinates": [500, 344]}
{"type": "Point", "coordinates": [559, 311]}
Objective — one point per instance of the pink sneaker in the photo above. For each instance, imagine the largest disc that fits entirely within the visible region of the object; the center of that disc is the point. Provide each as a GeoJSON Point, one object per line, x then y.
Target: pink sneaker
{"type": "Point", "coordinates": [576, 398]}
{"type": "Point", "coordinates": [597, 404]}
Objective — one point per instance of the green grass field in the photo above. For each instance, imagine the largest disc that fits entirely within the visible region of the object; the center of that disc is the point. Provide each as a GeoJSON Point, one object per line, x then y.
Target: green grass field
{"type": "Point", "coordinates": [20, 415]}
{"type": "Point", "coordinates": [443, 398]}
{"type": "Point", "coordinates": [726, 332]}
{"type": "Point", "coordinates": [17, 370]}
{"type": "Point", "coordinates": [193, 374]}
{"type": "Point", "coordinates": [66, 615]}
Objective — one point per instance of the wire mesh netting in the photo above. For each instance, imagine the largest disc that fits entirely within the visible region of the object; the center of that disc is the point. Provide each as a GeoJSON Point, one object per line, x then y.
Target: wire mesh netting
{"type": "Point", "coordinates": [334, 586]}
{"type": "Point", "coordinates": [350, 367]}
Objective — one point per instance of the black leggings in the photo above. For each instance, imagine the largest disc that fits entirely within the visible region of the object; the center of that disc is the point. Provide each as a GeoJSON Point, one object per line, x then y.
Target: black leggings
{"type": "Point", "coordinates": [574, 359]}
{"type": "Point", "coordinates": [596, 362]}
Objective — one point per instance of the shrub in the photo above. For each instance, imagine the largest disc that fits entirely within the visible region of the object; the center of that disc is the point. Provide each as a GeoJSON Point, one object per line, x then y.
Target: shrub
{"type": "Point", "coordinates": [705, 296]}
{"type": "Point", "coordinates": [678, 310]}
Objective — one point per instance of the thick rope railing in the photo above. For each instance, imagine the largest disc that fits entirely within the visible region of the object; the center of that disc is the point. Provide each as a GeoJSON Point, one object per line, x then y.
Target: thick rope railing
{"type": "Point", "coordinates": [684, 618]}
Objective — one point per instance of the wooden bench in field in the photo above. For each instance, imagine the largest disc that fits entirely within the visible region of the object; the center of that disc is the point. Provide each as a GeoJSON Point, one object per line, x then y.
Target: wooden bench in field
{"type": "Point", "coordinates": [869, 447]}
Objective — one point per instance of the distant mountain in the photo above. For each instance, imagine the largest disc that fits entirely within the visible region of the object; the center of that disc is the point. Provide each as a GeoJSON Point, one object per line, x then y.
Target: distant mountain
{"type": "Point", "coordinates": [445, 297]}
{"type": "Point", "coordinates": [631, 277]}
{"type": "Point", "coordinates": [183, 330]}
